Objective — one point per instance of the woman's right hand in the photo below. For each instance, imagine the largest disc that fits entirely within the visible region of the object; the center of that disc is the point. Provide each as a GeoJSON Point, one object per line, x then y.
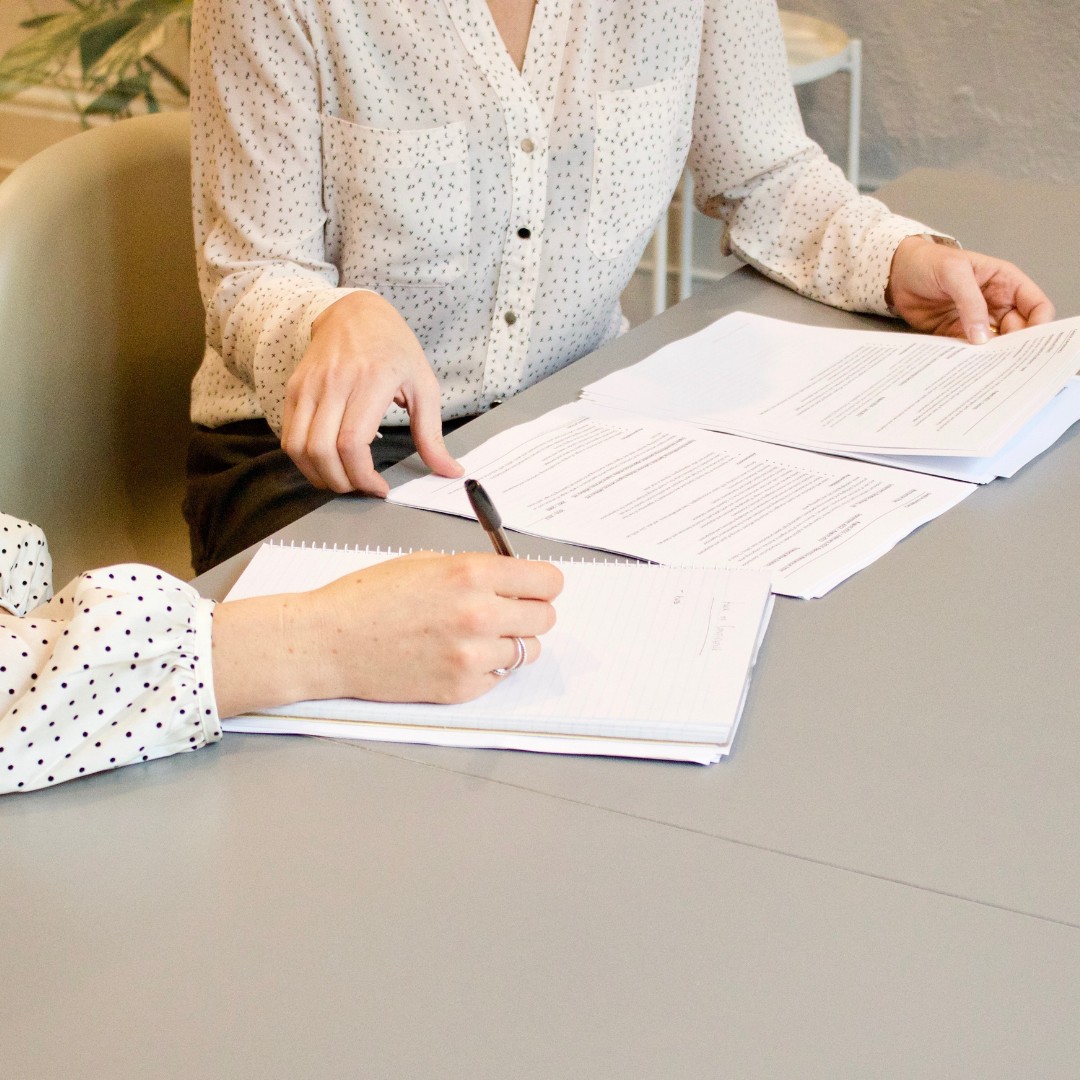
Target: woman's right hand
{"type": "Point", "coordinates": [362, 357]}
{"type": "Point", "coordinates": [423, 627]}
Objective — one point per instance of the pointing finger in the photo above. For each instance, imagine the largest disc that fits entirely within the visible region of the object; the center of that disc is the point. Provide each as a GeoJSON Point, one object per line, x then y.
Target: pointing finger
{"type": "Point", "coordinates": [358, 428]}
{"type": "Point", "coordinates": [425, 418]}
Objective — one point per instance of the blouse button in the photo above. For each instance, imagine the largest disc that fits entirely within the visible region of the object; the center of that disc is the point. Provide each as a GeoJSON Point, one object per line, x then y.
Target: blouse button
{"type": "Point", "coordinates": [510, 318]}
{"type": "Point", "coordinates": [528, 145]}
{"type": "Point", "coordinates": [524, 233]}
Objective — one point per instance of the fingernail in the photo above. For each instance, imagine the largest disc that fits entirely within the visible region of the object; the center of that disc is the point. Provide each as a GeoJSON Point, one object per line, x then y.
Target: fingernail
{"type": "Point", "coordinates": [979, 334]}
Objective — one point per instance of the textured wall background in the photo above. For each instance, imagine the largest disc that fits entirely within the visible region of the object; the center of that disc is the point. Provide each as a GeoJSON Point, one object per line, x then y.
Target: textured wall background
{"type": "Point", "coordinates": [987, 85]}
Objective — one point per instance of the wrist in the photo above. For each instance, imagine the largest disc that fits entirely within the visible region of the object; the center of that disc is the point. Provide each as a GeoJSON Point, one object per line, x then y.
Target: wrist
{"type": "Point", "coordinates": [264, 653]}
{"type": "Point", "coordinates": [903, 250]}
{"type": "Point", "coordinates": [354, 305]}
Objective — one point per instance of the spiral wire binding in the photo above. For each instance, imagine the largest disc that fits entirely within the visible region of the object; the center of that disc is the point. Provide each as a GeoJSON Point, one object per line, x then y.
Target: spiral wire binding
{"type": "Point", "coordinates": [379, 550]}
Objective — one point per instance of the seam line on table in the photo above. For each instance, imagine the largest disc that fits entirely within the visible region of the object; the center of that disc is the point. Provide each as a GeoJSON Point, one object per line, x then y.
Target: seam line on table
{"type": "Point", "coordinates": [725, 839]}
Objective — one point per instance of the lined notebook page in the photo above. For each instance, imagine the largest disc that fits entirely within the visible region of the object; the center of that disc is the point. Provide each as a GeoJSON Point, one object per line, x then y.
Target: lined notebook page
{"type": "Point", "coordinates": [637, 652]}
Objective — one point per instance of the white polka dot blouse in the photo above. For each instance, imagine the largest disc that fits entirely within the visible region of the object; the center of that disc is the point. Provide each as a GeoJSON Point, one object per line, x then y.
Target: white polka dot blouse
{"type": "Point", "coordinates": [392, 145]}
{"type": "Point", "coordinates": [114, 670]}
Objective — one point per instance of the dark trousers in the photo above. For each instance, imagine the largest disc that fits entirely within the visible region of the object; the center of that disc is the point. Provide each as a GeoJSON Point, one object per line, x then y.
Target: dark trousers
{"type": "Point", "coordinates": [241, 486]}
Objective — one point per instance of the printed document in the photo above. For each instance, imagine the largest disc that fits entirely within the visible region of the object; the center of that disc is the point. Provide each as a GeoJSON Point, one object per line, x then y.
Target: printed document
{"type": "Point", "coordinates": [1033, 439]}
{"type": "Point", "coordinates": [861, 391]}
{"type": "Point", "coordinates": [643, 661]}
{"type": "Point", "coordinates": [672, 493]}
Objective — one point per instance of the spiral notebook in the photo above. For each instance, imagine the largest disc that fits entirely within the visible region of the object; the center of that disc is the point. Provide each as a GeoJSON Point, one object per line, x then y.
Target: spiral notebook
{"type": "Point", "coordinates": [644, 661]}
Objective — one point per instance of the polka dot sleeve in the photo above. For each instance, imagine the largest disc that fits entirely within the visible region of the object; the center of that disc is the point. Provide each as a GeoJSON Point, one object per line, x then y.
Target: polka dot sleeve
{"type": "Point", "coordinates": [115, 670]}
{"type": "Point", "coordinates": [25, 566]}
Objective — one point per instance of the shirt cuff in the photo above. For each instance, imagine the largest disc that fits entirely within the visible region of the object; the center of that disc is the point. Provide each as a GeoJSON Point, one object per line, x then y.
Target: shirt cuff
{"type": "Point", "coordinates": [120, 671]}
{"type": "Point", "coordinates": [203, 618]}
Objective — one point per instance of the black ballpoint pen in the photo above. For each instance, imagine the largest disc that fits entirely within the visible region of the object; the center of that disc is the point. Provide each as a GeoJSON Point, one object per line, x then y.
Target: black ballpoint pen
{"type": "Point", "coordinates": [488, 517]}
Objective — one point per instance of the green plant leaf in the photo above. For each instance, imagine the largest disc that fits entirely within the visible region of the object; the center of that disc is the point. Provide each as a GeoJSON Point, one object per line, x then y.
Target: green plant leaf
{"type": "Point", "coordinates": [116, 100]}
{"type": "Point", "coordinates": [96, 41]}
{"type": "Point", "coordinates": [40, 20]}
{"type": "Point", "coordinates": [113, 40]}
{"type": "Point", "coordinates": [170, 77]}
{"type": "Point", "coordinates": [141, 38]}
{"type": "Point", "coordinates": [44, 54]}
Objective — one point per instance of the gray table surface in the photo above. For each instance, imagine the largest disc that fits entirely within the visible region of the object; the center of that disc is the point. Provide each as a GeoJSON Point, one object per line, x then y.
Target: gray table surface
{"type": "Point", "coordinates": [882, 880]}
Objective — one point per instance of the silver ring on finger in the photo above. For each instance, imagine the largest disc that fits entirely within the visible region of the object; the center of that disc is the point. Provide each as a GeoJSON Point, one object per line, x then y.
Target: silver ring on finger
{"type": "Point", "coordinates": [519, 662]}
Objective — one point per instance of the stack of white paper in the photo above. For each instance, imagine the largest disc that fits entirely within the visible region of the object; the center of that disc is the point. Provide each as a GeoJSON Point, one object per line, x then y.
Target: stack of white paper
{"type": "Point", "coordinates": [909, 400]}
{"type": "Point", "coordinates": [644, 661]}
{"type": "Point", "coordinates": [673, 493]}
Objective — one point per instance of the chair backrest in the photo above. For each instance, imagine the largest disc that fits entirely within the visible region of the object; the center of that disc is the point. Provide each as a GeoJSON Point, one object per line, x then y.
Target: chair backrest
{"type": "Point", "coordinates": [101, 330]}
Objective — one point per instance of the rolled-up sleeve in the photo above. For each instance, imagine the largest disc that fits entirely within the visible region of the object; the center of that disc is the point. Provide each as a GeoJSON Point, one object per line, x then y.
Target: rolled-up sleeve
{"type": "Point", "coordinates": [114, 670]}
{"type": "Point", "coordinates": [257, 190]}
{"type": "Point", "coordinates": [786, 208]}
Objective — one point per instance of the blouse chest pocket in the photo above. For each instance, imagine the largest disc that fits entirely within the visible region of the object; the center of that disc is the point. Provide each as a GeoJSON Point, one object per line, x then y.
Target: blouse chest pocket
{"type": "Point", "coordinates": [642, 139]}
{"type": "Point", "coordinates": [397, 203]}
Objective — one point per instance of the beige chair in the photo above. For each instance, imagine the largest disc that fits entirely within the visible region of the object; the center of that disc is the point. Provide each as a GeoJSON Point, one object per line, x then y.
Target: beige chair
{"type": "Point", "coordinates": [101, 330]}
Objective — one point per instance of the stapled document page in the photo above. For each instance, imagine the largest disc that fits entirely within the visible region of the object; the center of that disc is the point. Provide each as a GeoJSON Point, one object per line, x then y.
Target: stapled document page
{"type": "Point", "coordinates": [673, 493]}
{"type": "Point", "coordinates": [862, 391]}
{"type": "Point", "coordinates": [644, 661]}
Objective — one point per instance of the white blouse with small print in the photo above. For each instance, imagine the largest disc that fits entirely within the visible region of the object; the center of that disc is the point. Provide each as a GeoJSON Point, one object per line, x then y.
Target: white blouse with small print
{"type": "Point", "coordinates": [392, 145]}
{"type": "Point", "coordinates": [115, 669]}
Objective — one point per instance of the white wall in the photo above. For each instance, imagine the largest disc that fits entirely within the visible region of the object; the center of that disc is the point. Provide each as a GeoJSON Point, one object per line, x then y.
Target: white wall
{"type": "Point", "coordinates": [987, 85]}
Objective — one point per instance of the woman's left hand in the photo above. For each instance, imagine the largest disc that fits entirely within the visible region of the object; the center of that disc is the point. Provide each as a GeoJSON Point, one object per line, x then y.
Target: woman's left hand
{"type": "Point", "coordinates": [944, 290]}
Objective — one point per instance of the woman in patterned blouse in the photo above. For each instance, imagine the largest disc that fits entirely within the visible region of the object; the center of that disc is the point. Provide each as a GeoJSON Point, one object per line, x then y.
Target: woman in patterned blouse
{"type": "Point", "coordinates": [408, 210]}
